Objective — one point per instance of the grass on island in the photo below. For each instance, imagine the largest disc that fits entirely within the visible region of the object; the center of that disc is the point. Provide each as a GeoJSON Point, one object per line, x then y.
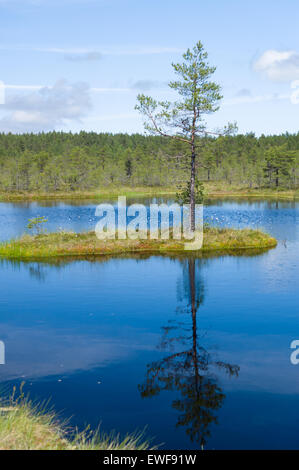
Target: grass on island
{"type": "Point", "coordinates": [50, 245]}
{"type": "Point", "coordinates": [25, 426]}
{"type": "Point", "coordinates": [212, 189]}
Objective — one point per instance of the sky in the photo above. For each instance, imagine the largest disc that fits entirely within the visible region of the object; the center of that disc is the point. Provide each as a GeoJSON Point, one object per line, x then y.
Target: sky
{"type": "Point", "coordinates": [79, 64]}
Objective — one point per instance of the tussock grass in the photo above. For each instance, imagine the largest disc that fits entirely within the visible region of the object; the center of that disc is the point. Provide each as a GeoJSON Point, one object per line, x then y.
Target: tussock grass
{"type": "Point", "coordinates": [26, 426]}
{"type": "Point", "coordinates": [51, 245]}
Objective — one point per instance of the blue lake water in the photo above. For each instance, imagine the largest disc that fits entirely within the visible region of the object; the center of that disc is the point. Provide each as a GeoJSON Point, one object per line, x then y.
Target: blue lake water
{"type": "Point", "coordinates": [197, 350]}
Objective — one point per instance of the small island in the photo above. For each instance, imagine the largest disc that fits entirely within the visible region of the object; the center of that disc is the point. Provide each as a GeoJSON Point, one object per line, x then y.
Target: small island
{"type": "Point", "coordinates": [59, 244]}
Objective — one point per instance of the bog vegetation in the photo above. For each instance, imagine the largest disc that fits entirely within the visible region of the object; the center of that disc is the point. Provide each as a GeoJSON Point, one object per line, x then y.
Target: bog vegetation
{"type": "Point", "coordinates": [60, 244]}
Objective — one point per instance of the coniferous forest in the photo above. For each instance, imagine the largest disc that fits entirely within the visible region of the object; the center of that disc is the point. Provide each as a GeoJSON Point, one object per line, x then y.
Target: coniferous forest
{"type": "Point", "coordinates": [59, 161]}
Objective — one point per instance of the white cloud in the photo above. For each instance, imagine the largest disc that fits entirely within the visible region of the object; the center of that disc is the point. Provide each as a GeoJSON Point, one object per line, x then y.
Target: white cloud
{"type": "Point", "coordinates": [38, 87]}
{"type": "Point", "coordinates": [243, 92]}
{"type": "Point", "coordinates": [111, 117]}
{"type": "Point", "coordinates": [142, 85]}
{"type": "Point", "coordinates": [146, 85]}
{"type": "Point", "coordinates": [25, 117]}
{"type": "Point", "coordinates": [85, 57]}
{"type": "Point", "coordinates": [96, 51]}
{"type": "Point", "coordinates": [22, 87]}
{"type": "Point", "coordinates": [46, 108]}
{"type": "Point", "coordinates": [110, 90]}
{"type": "Point", "coordinates": [256, 99]}
{"type": "Point", "coordinates": [279, 66]}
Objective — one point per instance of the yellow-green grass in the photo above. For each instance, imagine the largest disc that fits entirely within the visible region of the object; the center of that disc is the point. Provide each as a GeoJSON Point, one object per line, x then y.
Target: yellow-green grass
{"type": "Point", "coordinates": [213, 190]}
{"type": "Point", "coordinates": [51, 245]}
{"type": "Point", "coordinates": [218, 190]}
{"type": "Point", "coordinates": [105, 192]}
{"type": "Point", "coordinates": [25, 426]}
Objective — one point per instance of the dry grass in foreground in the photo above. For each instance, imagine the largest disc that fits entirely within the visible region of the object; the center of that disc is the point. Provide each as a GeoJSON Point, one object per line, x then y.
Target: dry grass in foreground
{"type": "Point", "coordinates": [24, 426]}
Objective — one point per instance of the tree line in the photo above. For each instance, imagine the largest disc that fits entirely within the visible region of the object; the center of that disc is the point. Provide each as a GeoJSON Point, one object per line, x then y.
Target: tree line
{"type": "Point", "coordinates": [86, 161]}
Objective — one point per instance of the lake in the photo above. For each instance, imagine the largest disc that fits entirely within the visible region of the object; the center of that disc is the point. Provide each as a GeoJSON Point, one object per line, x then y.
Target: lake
{"type": "Point", "coordinates": [197, 351]}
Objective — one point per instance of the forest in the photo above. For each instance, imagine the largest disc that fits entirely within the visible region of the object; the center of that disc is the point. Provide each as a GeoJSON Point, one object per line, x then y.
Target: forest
{"type": "Point", "coordinates": [60, 161]}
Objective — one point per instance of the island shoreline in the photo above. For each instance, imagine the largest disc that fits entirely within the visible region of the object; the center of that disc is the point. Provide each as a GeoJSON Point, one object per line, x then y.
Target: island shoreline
{"type": "Point", "coordinates": [70, 244]}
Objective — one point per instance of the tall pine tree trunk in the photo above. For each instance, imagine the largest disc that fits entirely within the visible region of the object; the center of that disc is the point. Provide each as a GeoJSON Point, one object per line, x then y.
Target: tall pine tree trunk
{"type": "Point", "coordinates": [192, 176]}
{"type": "Point", "coordinates": [192, 191]}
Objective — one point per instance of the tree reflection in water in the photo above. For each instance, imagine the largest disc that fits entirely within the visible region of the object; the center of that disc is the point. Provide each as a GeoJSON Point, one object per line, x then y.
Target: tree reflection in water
{"type": "Point", "coordinates": [187, 369]}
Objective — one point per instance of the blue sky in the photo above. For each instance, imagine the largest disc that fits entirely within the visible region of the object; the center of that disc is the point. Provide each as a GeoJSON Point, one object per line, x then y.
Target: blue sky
{"type": "Point", "coordinates": [79, 64]}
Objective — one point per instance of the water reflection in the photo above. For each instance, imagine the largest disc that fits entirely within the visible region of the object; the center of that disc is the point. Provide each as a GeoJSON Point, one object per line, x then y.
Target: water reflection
{"type": "Point", "coordinates": [40, 267]}
{"type": "Point", "coordinates": [82, 332]}
{"type": "Point", "coordinates": [188, 369]}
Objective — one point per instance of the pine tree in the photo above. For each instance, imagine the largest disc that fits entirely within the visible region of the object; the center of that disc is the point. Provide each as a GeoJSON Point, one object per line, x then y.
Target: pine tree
{"type": "Point", "coordinates": [279, 162]}
{"type": "Point", "coordinates": [183, 120]}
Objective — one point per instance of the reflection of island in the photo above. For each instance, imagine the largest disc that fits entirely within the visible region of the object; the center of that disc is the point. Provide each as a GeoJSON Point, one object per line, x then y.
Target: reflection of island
{"type": "Point", "coordinates": [36, 270]}
{"type": "Point", "coordinates": [187, 369]}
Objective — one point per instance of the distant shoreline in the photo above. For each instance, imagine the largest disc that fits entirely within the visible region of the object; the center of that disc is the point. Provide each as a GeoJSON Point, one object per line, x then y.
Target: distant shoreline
{"type": "Point", "coordinates": [212, 191]}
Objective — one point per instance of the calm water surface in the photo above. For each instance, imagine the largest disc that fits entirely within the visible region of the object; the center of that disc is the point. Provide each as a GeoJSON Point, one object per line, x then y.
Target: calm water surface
{"type": "Point", "coordinates": [197, 350]}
